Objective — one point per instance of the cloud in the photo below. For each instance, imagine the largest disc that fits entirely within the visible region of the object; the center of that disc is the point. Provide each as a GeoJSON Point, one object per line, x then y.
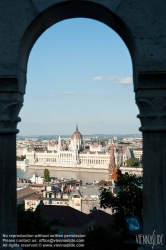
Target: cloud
{"type": "Point", "coordinates": [123, 80]}
{"type": "Point", "coordinates": [98, 78]}
{"type": "Point", "coordinates": [68, 93]}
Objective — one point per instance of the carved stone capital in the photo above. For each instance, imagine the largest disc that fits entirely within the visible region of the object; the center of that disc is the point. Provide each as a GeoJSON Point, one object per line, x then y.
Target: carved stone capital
{"type": "Point", "coordinates": [150, 80]}
{"type": "Point", "coordinates": [152, 106]}
{"type": "Point", "coordinates": [11, 101]}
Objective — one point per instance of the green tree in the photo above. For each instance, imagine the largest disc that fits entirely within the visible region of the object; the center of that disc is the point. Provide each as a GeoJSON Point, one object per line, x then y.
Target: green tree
{"type": "Point", "coordinates": [132, 162]}
{"type": "Point", "coordinates": [46, 175]}
{"type": "Point", "coordinates": [18, 158]}
{"type": "Point", "coordinates": [23, 157]}
{"type": "Point", "coordinates": [141, 160]}
{"type": "Point", "coordinates": [129, 200]}
{"type": "Point", "coordinates": [31, 222]}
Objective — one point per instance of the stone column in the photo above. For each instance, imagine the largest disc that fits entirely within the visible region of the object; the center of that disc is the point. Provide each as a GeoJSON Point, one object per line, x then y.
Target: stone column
{"type": "Point", "coordinates": [152, 105]}
{"type": "Point", "coordinates": [10, 105]}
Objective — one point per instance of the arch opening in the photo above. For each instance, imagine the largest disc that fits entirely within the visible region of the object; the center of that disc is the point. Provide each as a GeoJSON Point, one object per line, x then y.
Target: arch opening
{"type": "Point", "coordinates": [63, 11]}
{"type": "Point", "coordinates": [95, 81]}
{"type": "Point", "coordinates": [109, 72]}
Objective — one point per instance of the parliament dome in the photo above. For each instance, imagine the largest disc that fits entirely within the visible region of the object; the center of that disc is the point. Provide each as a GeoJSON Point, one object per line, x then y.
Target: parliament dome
{"type": "Point", "coordinates": [76, 135]}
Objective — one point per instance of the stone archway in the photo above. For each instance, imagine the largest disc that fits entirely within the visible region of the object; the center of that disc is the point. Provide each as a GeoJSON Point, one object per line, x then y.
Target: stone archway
{"type": "Point", "coordinates": [141, 25]}
{"type": "Point", "coordinates": [66, 10]}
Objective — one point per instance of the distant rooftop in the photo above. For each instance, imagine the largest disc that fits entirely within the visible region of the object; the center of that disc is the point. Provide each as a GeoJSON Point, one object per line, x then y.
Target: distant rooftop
{"type": "Point", "coordinates": [68, 215]}
{"type": "Point", "coordinates": [24, 192]}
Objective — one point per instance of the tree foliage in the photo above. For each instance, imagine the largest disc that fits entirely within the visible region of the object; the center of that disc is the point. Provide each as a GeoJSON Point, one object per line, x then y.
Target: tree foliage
{"type": "Point", "coordinates": [29, 222]}
{"type": "Point", "coordinates": [129, 200]}
{"type": "Point", "coordinates": [141, 160]}
{"type": "Point", "coordinates": [20, 158]}
{"type": "Point", "coordinates": [46, 175]}
{"type": "Point", "coordinates": [132, 162]}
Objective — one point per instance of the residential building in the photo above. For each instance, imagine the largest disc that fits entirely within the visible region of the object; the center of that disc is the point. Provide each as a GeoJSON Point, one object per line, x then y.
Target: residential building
{"type": "Point", "coordinates": [68, 220]}
{"type": "Point", "coordinates": [38, 187]}
{"type": "Point", "coordinates": [32, 201]}
{"type": "Point", "coordinates": [102, 218]}
{"type": "Point", "coordinates": [138, 152]}
{"type": "Point", "coordinates": [37, 179]}
{"type": "Point", "coordinates": [24, 193]}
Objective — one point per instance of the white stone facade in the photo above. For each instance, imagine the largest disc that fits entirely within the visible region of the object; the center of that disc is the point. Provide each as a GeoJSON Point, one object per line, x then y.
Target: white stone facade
{"type": "Point", "coordinates": [75, 156]}
{"type": "Point", "coordinates": [138, 153]}
{"type": "Point", "coordinates": [37, 179]}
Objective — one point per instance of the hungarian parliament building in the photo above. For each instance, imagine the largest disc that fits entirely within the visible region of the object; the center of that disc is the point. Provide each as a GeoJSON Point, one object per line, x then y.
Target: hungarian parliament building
{"type": "Point", "coordinates": [75, 154]}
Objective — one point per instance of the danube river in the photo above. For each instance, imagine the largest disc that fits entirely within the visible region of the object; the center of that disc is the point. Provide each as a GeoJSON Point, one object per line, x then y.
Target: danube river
{"type": "Point", "coordinates": [85, 177]}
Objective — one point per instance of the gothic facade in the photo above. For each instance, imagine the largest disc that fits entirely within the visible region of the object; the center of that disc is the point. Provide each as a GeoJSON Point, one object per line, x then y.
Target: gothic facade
{"type": "Point", "coordinates": [74, 155]}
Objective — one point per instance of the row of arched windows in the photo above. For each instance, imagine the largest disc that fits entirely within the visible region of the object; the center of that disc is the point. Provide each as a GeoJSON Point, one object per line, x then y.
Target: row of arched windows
{"type": "Point", "coordinates": [66, 155]}
{"type": "Point", "coordinates": [93, 161]}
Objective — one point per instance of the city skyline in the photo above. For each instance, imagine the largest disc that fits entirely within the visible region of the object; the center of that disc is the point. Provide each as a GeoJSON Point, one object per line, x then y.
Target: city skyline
{"type": "Point", "coordinates": [79, 71]}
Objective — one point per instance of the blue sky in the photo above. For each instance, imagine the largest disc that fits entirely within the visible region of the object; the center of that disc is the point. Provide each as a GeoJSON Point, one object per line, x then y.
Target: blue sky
{"type": "Point", "coordinates": [79, 70]}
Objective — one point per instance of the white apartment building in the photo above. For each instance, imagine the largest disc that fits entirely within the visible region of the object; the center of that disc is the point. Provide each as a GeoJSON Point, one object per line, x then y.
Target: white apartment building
{"type": "Point", "coordinates": [76, 199]}
{"type": "Point", "coordinates": [47, 199]}
{"type": "Point", "coordinates": [37, 179]}
{"type": "Point", "coordinates": [137, 153]}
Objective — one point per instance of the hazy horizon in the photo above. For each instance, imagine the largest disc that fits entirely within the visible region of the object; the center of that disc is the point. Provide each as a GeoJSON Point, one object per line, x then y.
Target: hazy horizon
{"type": "Point", "coordinates": [57, 135]}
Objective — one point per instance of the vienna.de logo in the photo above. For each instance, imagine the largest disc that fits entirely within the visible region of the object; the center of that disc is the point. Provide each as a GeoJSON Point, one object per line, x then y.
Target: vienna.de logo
{"type": "Point", "coordinates": [150, 239]}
